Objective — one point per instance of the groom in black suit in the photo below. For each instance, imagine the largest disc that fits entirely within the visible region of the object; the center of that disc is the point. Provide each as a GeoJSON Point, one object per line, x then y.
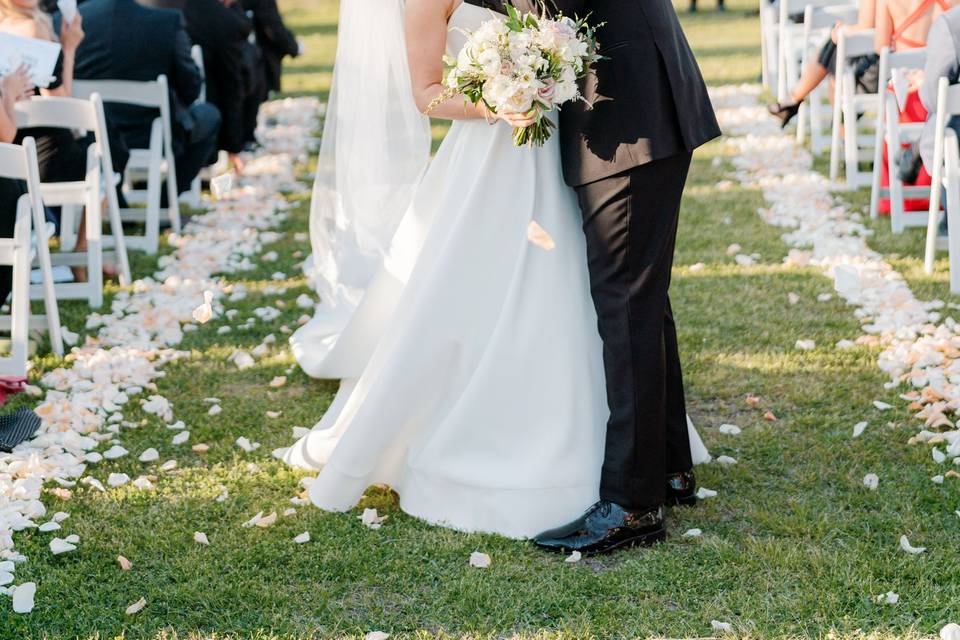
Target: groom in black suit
{"type": "Point", "coordinates": [628, 156]}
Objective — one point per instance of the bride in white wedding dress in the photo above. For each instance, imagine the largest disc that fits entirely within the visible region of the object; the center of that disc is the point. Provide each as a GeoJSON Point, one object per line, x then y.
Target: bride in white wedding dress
{"type": "Point", "coordinates": [483, 402]}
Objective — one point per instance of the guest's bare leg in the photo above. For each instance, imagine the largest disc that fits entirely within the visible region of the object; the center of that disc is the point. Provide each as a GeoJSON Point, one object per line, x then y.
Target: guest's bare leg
{"type": "Point", "coordinates": [811, 78]}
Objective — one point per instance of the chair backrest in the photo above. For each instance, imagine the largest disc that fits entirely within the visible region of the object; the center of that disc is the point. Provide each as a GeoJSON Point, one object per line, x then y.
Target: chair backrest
{"type": "Point", "coordinates": [908, 59]}
{"type": "Point", "coordinates": [854, 45]}
{"type": "Point", "coordinates": [817, 18]}
{"type": "Point", "coordinates": [793, 7]}
{"type": "Point", "coordinates": [62, 113]}
{"type": "Point", "coordinates": [19, 162]}
{"type": "Point", "coordinates": [152, 93]}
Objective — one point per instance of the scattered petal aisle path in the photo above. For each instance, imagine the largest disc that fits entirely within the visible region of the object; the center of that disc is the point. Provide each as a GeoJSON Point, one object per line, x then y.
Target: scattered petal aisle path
{"type": "Point", "coordinates": [920, 341]}
{"type": "Point", "coordinates": [124, 354]}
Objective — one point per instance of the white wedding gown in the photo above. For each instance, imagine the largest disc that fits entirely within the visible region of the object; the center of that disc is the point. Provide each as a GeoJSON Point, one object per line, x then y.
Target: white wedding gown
{"type": "Point", "coordinates": [483, 403]}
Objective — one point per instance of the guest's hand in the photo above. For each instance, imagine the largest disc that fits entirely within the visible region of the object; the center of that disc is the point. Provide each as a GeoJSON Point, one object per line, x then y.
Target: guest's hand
{"type": "Point", "coordinates": [71, 34]}
{"type": "Point", "coordinates": [17, 86]}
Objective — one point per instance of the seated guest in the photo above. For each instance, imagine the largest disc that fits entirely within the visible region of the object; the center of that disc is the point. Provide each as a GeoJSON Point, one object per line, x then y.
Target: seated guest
{"type": "Point", "coordinates": [13, 87]}
{"type": "Point", "coordinates": [222, 31]}
{"type": "Point", "coordinates": [943, 61]}
{"type": "Point", "coordinates": [126, 41]}
{"type": "Point", "coordinates": [276, 42]}
{"type": "Point", "coordinates": [825, 65]}
{"type": "Point", "coordinates": [62, 157]}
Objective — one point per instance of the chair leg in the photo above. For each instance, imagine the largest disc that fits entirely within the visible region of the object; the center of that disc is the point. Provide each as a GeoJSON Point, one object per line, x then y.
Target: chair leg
{"type": "Point", "coordinates": [878, 142]}
{"type": "Point", "coordinates": [835, 139]}
{"type": "Point", "coordinates": [173, 198]}
{"type": "Point", "coordinates": [953, 218]}
{"type": "Point", "coordinates": [51, 306]}
{"type": "Point", "coordinates": [20, 302]}
{"type": "Point", "coordinates": [154, 186]}
{"type": "Point", "coordinates": [94, 245]}
{"type": "Point", "coordinates": [116, 229]}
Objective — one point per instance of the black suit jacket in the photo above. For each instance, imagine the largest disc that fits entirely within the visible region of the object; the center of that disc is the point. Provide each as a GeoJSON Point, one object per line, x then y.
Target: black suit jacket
{"type": "Point", "coordinates": [125, 41]}
{"type": "Point", "coordinates": [274, 39]}
{"type": "Point", "coordinates": [649, 99]}
{"type": "Point", "coordinates": [222, 33]}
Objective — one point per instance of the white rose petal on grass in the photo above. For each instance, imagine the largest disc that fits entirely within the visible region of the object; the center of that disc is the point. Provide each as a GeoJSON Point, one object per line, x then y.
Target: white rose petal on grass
{"type": "Point", "coordinates": [305, 302]}
{"type": "Point", "coordinates": [136, 607]}
{"type": "Point", "coordinates": [723, 627]}
{"type": "Point", "coordinates": [69, 337]}
{"type": "Point", "coordinates": [201, 447]}
{"type": "Point", "coordinates": [734, 249]}
{"type": "Point", "coordinates": [181, 437]}
{"type": "Point", "coordinates": [692, 533]}
{"type": "Point", "coordinates": [697, 267]}
{"type": "Point", "coordinates": [244, 443]}
{"type": "Point", "coordinates": [909, 548]}
{"type": "Point", "coordinates": [47, 527]}
{"type": "Point", "coordinates": [303, 538]}
{"type": "Point", "coordinates": [726, 460]}
{"type": "Point", "coordinates": [23, 597]}
{"type": "Point", "coordinates": [150, 455]}
{"type": "Point", "coordinates": [888, 598]}
{"type": "Point", "coordinates": [744, 260]}
{"type": "Point", "coordinates": [277, 382]}
{"type": "Point", "coordinates": [871, 481]}
{"type": "Point", "coordinates": [125, 565]}
{"type": "Point", "coordinates": [859, 428]}
{"type": "Point", "coordinates": [221, 185]}
{"type": "Point", "coordinates": [806, 345]}
{"type": "Point", "coordinates": [730, 430]}
{"type": "Point", "coordinates": [376, 635]}
{"type": "Point", "coordinates": [480, 560]}
{"type": "Point", "coordinates": [60, 545]}
{"type": "Point", "coordinates": [117, 479]}
{"type": "Point", "coordinates": [204, 312]}
{"type": "Point", "coordinates": [371, 519]}
{"type": "Point", "coordinates": [169, 465]}
{"type": "Point", "coordinates": [793, 298]}
{"type": "Point", "coordinates": [539, 237]}
{"type": "Point", "coordinates": [214, 410]}
{"type": "Point", "coordinates": [200, 538]}
{"type": "Point", "coordinates": [938, 456]}
{"type": "Point", "coordinates": [573, 558]}
{"type": "Point", "coordinates": [114, 452]}
{"type": "Point", "coordinates": [266, 521]}
{"type": "Point", "coordinates": [882, 406]}
{"type": "Point", "coordinates": [703, 493]}
{"type": "Point", "coordinates": [950, 632]}
{"type": "Point", "coordinates": [243, 360]}
{"type": "Point", "coordinates": [143, 483]}
{"type": "Point", "coordinates": [937, 479]}
{"type": "Point", "coordinates": [274, 414]}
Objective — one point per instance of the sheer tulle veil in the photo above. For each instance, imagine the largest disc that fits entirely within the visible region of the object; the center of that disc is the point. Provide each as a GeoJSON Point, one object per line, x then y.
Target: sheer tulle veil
{"type": "Point", "coordinates": [373, 152]}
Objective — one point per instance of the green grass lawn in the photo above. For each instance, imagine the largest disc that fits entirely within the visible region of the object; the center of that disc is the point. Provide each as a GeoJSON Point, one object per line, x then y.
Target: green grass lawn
{"type": "Point", "coordinates": [792, 547]}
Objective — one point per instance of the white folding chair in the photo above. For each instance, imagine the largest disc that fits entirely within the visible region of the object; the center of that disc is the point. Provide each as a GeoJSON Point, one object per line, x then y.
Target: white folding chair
{"type": "Point", "coordinates": [893, 133]}
{"type": "Point", "coordinates": [84, 116]}
{"type": "Point", "coordinates": [815, 111]}
{"type": "Point", "coordinates": [848, 107]}
{"type": "Point", "coordinates": [946, 173]}
{"type": "Point", "coordinates": [793, 40]}
{"type": "Point", "coordinates": [156, 163]}
{"type": "Point", "coordinates": [20, 163]}
{"type": "Point", "coordinates": [769, 43]}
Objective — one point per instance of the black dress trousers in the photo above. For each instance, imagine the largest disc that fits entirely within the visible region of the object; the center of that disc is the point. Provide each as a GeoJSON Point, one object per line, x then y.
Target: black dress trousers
{"type": "Point", "coordinates": [630, 221]}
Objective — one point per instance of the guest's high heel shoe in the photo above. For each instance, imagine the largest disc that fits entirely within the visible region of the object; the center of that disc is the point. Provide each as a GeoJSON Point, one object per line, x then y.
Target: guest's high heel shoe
{"type": "Point", "coordinates": [784, 112]}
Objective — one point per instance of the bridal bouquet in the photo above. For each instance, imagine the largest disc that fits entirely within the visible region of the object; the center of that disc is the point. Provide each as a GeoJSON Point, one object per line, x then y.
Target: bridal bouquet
{"type": "Point", "coordinates": [522, 64]}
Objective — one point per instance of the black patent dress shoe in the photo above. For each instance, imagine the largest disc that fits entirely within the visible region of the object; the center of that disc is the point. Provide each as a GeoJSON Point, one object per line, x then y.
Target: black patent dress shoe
{"type": "Point", "coordinates": [682, 489]}
{"type": "Point", "coordinates": [605, 527]}
{"type": "Point", "coordinates": [784, 112]}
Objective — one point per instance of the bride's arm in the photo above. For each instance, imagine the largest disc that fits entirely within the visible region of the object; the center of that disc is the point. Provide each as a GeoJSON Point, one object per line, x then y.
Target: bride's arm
{"type": "Point", "coordinates": [426, 27]}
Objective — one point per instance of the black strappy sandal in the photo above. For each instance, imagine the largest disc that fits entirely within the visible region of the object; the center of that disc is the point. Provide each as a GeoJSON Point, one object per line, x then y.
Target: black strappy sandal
{"type": "Point", "coordinates": [784, 112]}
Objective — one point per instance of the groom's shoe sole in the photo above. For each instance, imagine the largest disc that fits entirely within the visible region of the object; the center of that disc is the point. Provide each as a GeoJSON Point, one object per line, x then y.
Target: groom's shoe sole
{"type": "Point", "coordinates": [647, 539]}
{"type": "Point", "coordinates": [683, 501]}
{"type": "Point", "coordinates": [644, 540]}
